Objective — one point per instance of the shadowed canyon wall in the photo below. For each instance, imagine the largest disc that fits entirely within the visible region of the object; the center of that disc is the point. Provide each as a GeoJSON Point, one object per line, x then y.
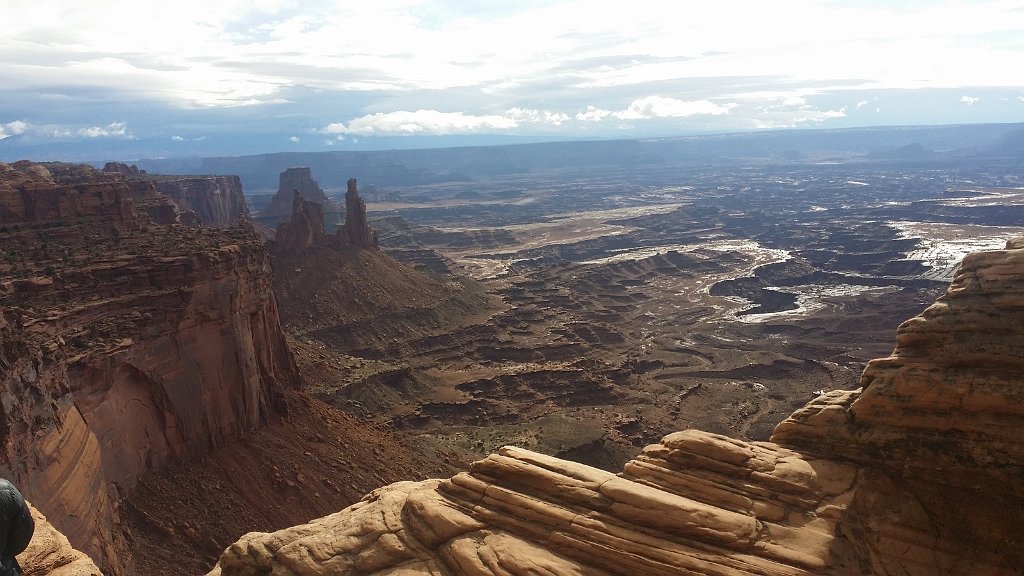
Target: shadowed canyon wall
{"type": "Point", "coordinates": [125, 345]}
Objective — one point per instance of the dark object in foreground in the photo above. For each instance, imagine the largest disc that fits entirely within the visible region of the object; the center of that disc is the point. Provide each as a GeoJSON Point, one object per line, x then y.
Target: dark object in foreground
{"type": "Point", "coordinates": [16, 528]}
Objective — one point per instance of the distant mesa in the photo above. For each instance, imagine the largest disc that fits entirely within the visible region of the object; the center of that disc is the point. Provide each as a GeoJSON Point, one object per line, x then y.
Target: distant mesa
{"type": "Point", "coordinates": [281, 204]}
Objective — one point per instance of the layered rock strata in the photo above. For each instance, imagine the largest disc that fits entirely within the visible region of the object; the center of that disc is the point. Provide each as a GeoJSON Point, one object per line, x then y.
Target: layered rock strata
{"type": "Point", "coordinates": [292, 181]}
{"type": "Point", "coordinates": [216, 201]}
{"type": "Point", "coordinates": [918, 472]}
{"type": "Point", "coordinates": [124, 345]}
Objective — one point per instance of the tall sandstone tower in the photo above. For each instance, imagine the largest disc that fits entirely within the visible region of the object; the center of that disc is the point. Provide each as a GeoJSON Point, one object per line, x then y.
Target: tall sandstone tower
{"type": "Point", "coordinates": [356, 230]}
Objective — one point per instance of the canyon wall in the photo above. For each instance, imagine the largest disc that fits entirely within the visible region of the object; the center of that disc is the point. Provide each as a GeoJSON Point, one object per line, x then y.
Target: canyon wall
{"type": "Point", "coordinates": [124, 345]}
{"type": "Point", "coordinates": [920, 471]}
{"type": "Point", "coordinates": [216, 201]}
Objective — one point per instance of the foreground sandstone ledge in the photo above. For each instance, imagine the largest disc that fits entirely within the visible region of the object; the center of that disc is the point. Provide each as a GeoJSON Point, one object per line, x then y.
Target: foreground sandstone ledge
{"type": "Point", "coordinates": [50, 554]}
{"type": "Point", "coordinates": [920, 471]}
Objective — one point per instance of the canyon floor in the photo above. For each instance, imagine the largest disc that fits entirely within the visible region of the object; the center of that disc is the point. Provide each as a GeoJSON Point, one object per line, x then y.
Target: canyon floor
{"type": "Point", "coordinates": [619, 306]}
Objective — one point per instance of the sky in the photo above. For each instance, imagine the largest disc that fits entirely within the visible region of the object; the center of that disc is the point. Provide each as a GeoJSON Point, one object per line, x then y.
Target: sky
{"type": "Point", "coordinates": [146, 78]}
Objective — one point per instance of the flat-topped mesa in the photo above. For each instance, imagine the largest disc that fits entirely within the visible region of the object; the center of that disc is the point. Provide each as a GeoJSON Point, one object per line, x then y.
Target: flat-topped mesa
{"type": "Point", "coordinates": [356, 231]}
{"type": "Point", "coordinates": [123, 347]}
{"type": "Point", "coordinates": [304, 230]}
{"type": "Point", "coordinates": [919, 472]}
{"type": "Point", "coordinates": [300, 179]}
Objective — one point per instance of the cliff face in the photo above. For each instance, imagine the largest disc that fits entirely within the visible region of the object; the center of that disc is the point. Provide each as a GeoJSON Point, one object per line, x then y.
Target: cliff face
{"type": "Point", "coordinates": [218, 201]}
{"type": "Point", "coordinates": [917, 472]}
{"type": "Point", "coordinates": [125, 345]}
{"type": "Point", "coordinates": [215, 201]}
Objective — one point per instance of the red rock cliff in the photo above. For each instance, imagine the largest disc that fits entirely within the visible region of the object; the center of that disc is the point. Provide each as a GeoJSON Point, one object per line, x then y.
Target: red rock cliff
{"type": "Point", "coordinates": [216, 201]}
{"type": "Point", "coordinates": [124, 345]}
{"type": "Point", "coordinates": [918, 472]}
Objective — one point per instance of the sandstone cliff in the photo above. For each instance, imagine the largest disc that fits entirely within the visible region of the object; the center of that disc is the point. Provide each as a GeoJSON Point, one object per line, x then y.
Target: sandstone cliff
{"type": "Point", "coordinates": [124, 345]}
{"type": "Point", "coordinates": [216, 201]}
{"type": "Point", "coordinates": [298, 180]}
{"type": "Point", "coordinates": [50, 554]}
{"type": "Point", "coordinates": [918, 472]}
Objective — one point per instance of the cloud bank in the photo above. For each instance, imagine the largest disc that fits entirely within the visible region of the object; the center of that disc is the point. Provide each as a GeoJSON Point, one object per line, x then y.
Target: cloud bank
{"type": "Point", "coordinates": [432, 67]}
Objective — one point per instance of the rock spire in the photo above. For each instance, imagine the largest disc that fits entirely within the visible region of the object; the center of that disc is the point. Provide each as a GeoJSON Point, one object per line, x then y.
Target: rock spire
{"type": "Point", "coordinates": [356, 230]}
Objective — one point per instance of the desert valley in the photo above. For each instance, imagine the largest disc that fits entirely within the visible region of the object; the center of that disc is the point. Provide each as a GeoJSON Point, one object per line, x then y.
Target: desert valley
{"type": "Point", "coordinates": [643, 356]}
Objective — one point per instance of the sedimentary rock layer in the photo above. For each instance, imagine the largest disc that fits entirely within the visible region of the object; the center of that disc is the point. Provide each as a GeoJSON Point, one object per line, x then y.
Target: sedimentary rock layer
{"type": "Point", "coordinates": [124, 345]}
{"type": "Point", "coordinates": [918, 472]}
{"type": "Point", "coordinates": [215, 201]}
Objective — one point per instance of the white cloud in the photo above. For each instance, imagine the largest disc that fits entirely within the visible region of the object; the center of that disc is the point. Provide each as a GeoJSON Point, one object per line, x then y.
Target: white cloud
{"type": "Point", "coordinates": [421, 122]}
{"type": "Point", "coordinates": [662, 107]}
{"type": "Point", "coordinates": [20, 127]}
{"type": "Point", "coordinates": [13, 129]}
{"type": "Point", "coordinates": [236, 53]}
{"type": "Point", "coordinates": [593, 114]}
{"type": "Point", "coordinates": [531, 116]}
{"type": "Point", "coordinates": [294, 139]}
{"type": "Point", "coordinates": [112, 130]}
{"type": "Point", "coordinates": [970, 100]}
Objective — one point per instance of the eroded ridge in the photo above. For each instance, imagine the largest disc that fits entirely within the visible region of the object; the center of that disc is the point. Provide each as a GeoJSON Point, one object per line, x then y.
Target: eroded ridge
{"type": "Point", "coordinates": [918, 472]}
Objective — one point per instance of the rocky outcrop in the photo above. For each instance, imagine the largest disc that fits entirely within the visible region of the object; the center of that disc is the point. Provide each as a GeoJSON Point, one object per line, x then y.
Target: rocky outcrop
{"type": "Point", "coordinates": [304, 230]}
{"type": "Point", "coordinates": [30, 195]}
{"type": "Point", "coordinates": [298, 180]}
{"type": "Point", "coordinates": [124, 346]}
{"type": "Point", "coordinates": [50, 554]}
{"type": "Point", "coordinates": [356, 230]}
{"type": "Point", "coordinates": [917, 472]}
{"type": "Point", "coordinates": [216, 201]}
